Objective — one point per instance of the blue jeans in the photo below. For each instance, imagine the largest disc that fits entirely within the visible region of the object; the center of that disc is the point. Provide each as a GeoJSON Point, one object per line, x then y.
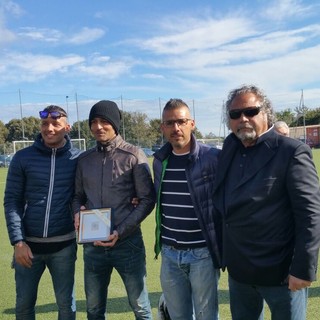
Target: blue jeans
{"type": "Point", "coordinates": [61, 266]}
{"type": "Point", "coordinates": [128, 258]}
{"type": "Point", "coordinates": [190, 283]}
{"type": "Point", "coordinates": [246, 302]}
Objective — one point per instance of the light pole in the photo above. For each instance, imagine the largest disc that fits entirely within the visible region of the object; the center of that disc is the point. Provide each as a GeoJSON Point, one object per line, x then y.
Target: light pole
{"type": "Point", "coordinates": [67, 97]}
{"type": "Point", "coordinates": [160, 120]}
{"type": "Point", "coordinates": [79, 135]}
{"type": "Point", "coordinates": [22, 123]}
{"type": "Point", "coordinates": [301, 111]}
{"type": "Point", "coordinates": [123, 126]}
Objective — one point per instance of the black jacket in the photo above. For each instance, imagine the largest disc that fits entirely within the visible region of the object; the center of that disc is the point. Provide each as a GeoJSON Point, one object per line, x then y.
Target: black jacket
{"type": "Point", "coordinates": [272, 215]}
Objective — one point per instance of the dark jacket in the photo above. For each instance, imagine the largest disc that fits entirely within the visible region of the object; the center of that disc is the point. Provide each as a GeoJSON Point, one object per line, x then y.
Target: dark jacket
{"type": "Point", "coordinates": [38, 194]}
{"type": "Point", "coordinates": [201, 173]}
{"type": "Point", "coordinates": [110, 177]}
{"type": "Point", "coordinates": [272, 215]}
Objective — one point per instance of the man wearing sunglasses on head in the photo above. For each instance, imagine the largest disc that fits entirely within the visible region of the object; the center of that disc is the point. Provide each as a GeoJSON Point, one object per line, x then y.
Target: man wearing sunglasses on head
{"type": "Point", "coordinates": [37, 203]}
{"type": "Point", "coordinates": [267, 192]}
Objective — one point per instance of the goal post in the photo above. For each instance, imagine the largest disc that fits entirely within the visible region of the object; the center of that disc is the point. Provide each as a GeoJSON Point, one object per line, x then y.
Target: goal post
{"type": "Point", "coordinates": [79, 144]}
{"type": "Point", "coordinates": [20, 144]}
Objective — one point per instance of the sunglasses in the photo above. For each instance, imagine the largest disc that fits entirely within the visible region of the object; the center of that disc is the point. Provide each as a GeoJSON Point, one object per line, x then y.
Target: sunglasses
{"type": "Point", "coordinates": [54, 114]}
{"type": "Point", "coordinates": [248, 112]}
{"type": "Point", "coordinates": [179, 122]}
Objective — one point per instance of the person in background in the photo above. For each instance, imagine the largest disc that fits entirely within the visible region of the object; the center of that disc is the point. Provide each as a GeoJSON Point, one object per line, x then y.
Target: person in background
{"type": "Point", "coordinates": [282, 128]}
{"type": "Point", "coordinates": [114, 174]}
{"type": "Point", "coordinates": [184, 171]}
{"type": "Point", "coordinates": [37, 203]}
{"type": "Point", "coordinates": [267, 192]}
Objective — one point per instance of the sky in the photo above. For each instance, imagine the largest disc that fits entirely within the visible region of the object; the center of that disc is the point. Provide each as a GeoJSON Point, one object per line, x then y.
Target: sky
{"type": "Point", "coordinates": [141, 53]}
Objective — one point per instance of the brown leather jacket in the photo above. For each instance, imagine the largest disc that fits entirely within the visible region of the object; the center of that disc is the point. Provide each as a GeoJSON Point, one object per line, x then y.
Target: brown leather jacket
{"type": "Point", "coordinates": [110, 176]}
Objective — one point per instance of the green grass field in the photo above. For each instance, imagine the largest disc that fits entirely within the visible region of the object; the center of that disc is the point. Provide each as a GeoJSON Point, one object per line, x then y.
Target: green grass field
{"type": "Point", "coordinates": [118, 307]}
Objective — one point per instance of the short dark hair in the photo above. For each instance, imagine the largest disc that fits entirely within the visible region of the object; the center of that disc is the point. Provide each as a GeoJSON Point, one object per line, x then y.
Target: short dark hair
{"type": "Point", "coordinates": [174, 104]}
{"type": "Point", "coordinates": [53, 107]}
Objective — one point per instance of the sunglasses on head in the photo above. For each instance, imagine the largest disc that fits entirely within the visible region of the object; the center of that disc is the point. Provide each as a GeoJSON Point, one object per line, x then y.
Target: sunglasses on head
{"type": "Point", "coordinates": [54, 114]}
{"type": "Point", "coordinates": [248, 112]}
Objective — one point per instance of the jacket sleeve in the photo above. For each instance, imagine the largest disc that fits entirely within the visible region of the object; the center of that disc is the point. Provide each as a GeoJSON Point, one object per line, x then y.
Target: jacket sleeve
{"type": "Point", "coordinates": [145, 193]}
{"type": "Point", "coordinates": [14, 202]}
{"type": "Point", "coordinates": [303, 187]}
{"type": "Point", "coordinates": [79, 197]}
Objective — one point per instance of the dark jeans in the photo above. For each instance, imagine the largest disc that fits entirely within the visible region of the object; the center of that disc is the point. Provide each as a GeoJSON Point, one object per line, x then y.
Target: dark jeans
{"type": "Point", "coordinates": [246, 302]}
{"type": "Point", "coordinates": [61, 266]}
{"type": "Point", "coordinates": [128, 258]}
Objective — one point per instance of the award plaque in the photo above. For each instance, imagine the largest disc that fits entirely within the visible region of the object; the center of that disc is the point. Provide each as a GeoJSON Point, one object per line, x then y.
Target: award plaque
{"type": "Point", "coordinates": [95, 225]}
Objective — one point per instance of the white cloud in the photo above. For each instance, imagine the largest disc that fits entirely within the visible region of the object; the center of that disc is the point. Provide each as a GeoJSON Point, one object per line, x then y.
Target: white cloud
{"type": "Point", "coordinates": [153, 76]}
{"type": "Point", "coordinates": [11, 7]}
{"type": "Point", "coordinates": [87, 35]}
{"type": "Point", "coordinates": [32, 67]}
{"type": "Point", "coordinates": [110, 70]}
{"type": "Point", "coordinates": [41, 34]}
{"type": "Point", "coordinates": [6, 35]}
{"type": "Point", "coordinates": [199, 36]}
{"type": "Point", "coordinates": [280, 10]}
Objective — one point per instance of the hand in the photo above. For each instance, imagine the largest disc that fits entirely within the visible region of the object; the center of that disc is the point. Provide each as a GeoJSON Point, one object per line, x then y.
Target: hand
{"type": "Point", "coordinates": [77, 218]}
{"type": "Point", "coordinates": [135, 201]}
{"type": "Point", "coordinates": [77, 221]}
{"type": "Point", "coordinates": [23, 254]}
{"type": "Point", "coordinates": [113, 238]}
{"type": "Point", "coordinates": [297, 284]}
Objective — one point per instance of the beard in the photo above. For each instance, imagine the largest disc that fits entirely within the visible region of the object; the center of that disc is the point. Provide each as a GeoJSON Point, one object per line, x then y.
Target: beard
{"type": "Point", "coordinates": [246, 136]}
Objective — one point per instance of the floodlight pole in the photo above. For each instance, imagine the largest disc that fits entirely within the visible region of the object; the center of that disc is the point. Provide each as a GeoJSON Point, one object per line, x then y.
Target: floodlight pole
{"type": "Point", "coordinates": [67, 97]}
{"type": "Point", "coordinates": [79, 135]}
{"type": "Point", "coordinates": [194, 110]}
{"type": "Point", "coordinates": [160, 120]}
{"type": "Point", "coordinates": [21, 116]}
{"type": "Point", "coordinates": [303, 109]}
{"type": "Point", "coordinates": [123, 126]}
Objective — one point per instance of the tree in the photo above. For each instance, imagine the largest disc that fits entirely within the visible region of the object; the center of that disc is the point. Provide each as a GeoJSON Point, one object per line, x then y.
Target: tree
{"type": "Point", "coordinates": [29, 127]}
{"type": "Point", "coordinates": [85, 132]}
{"type": "Point", "coordinates": [197, 133]}
{"type": "Point", "coordinates": [287, 116]}
{"type": "Point", "coordinates": [313, 116]}
{"type": "Point", "coordinates": [3, 137]}
{"type": "Point", "coordinates": [136, 129]}
{"type": "Point", "coordinates": [155, 131]}
{"type": "Point", "coordinates": [3, 132]}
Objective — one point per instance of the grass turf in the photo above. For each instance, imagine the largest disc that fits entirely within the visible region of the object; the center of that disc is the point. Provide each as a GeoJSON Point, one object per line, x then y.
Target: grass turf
{"type": "Point", "coordinates": [118, 307]}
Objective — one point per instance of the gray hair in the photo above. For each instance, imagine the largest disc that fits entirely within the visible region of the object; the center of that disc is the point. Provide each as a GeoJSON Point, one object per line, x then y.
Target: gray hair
{"type": "Point", "coordinates": [281, 124]}
{"type": "Point", "coordinates": [265, 102]}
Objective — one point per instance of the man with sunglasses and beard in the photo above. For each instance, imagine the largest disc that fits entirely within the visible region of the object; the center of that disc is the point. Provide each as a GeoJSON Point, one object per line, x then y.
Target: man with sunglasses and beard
{"type": "Point", "coordinates": [37, 202]}
{"type": "Point", "coordinates": [267, 192]}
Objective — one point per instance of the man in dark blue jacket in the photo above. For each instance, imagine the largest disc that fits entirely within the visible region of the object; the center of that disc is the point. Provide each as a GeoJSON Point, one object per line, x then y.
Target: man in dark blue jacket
{"type": "Point", "coordinates": [186, 232]}
{"type": "Point", "coordinates": [40, 184]}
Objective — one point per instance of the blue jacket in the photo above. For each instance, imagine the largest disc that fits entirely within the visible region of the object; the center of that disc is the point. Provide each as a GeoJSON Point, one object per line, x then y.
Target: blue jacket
{"type": "Point", "coordinates": [201, 173]}
{"type": "Point", "coordinates": [39, 189]}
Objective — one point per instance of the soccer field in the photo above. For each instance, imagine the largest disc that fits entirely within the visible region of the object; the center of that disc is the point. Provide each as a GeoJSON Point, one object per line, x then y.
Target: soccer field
{"type": "Point", "coordinates": [118, 307]}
